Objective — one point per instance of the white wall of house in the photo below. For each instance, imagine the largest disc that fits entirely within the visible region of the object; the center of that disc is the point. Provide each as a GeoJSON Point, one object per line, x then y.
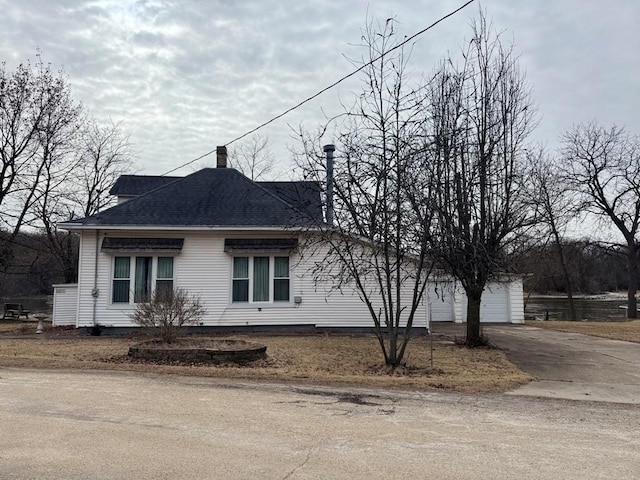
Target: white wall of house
{"type": "Point", "coordinates": [203, 268]}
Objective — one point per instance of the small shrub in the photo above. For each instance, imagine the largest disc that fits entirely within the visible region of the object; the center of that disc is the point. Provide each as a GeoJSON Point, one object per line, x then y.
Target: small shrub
{"type": "Point", "coordinates": [169, 311]}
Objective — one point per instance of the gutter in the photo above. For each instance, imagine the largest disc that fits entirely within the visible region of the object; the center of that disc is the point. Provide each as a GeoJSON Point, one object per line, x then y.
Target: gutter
{"type": "Point", "coordinates": [203, 228]}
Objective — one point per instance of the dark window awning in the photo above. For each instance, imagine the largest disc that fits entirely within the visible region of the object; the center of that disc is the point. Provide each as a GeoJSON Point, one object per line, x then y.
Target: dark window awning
{"type": "Point", "coordinates": [284, 245]}
{"type": "Point", "coordinates": [155, 245]}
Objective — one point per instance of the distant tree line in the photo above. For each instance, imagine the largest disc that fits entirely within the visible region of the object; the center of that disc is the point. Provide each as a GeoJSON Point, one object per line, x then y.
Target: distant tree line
{"type": "Point", "coordinates": [29, 268]}
{"type": "Point", "coordinates": [593, 268]}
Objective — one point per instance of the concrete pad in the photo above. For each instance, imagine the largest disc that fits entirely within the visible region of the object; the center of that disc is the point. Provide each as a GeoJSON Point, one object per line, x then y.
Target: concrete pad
{"type": "Point", "coordinates": [570, 365]}
{"type": "Point", "coordinates": [592, 392]}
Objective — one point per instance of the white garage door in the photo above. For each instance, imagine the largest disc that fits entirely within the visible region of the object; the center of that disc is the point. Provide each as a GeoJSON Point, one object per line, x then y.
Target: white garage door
{"type": "Point", "coordinates": [495, 304]}
{"type": "Point", "coordinates": [440, 297]}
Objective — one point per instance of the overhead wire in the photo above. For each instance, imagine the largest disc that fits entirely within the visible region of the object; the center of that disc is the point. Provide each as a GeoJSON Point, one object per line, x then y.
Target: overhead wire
{"type": "Point", "coordinates": [334, 84]}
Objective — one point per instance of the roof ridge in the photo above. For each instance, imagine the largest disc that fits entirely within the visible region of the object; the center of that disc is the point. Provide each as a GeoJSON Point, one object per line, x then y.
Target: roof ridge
{"type": "Point", "coordinates": [149, 176]}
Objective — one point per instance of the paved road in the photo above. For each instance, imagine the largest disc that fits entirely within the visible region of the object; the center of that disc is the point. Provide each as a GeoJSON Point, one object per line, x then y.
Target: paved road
{"type": "Point", "coordinates": [102, 425]}
{"type": "Point", "coordinates": [571, 365]}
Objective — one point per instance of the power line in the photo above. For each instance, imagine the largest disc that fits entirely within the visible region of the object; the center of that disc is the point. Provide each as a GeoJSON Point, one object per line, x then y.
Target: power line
{"type": "Point", "coordinates": [308, 99]}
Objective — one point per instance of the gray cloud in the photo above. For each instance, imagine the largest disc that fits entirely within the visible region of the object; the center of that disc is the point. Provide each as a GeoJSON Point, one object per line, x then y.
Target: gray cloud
{"type": "Point", "coordinates": [185, 76]}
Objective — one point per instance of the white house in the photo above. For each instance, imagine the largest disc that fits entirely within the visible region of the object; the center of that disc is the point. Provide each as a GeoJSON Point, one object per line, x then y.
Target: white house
{"type": "Point", "coordinates": [235, 243]}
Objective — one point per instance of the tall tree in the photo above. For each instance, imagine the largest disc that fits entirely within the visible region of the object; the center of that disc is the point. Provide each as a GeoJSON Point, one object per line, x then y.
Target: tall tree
{"type": "Point", "coordinates": [603, 168]}
{"type": "Point", "coordinates": [480, 115]}
{"type": "Point", "coordinates": [554, 207]}
{"type": "Point", "coordinates": [37, 115]}
{"type": "Point", "coordinates": [377, 242]}
{"type": "Point", "coordinates": [77, 184]}
{"type": "Point", "coordinates": [57, 163]}
{"type": "Point", "coordinates": [38, 123]}
{"type": "Point", "coordinates": [104, 153]}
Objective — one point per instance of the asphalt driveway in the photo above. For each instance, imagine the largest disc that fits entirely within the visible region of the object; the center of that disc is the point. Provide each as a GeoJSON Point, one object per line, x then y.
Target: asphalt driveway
{"type": "Point", "coordinates": [570, 365]}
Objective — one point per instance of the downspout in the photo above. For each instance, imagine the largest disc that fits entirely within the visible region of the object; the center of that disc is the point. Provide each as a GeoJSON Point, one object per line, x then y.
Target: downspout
{"type": "Point", "coordinates": [94, 291]}
{"type": "Point", "coordinates": [329, 149]}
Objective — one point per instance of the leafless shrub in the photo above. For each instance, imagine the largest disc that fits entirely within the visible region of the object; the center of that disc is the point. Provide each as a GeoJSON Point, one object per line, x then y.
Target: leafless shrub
{"type": "Point", "coordinates": [169, 311]}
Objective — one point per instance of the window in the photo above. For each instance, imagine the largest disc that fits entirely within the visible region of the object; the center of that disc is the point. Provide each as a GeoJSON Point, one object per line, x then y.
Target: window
{"type": "Point", "coordinates": [281, 279]}
{"type": "Point", "coordinates": [121, 272]}
{"type": "Point", "coordinates": [240, 279]}
{"type": "Point", "coordinates": [164, 277]}
{"type": "Point", "coordinates": [147, 273]}
{"type": "Point", "coordinates": [142, 291]}
{"type": "Point", "coordinates": [260, 279]}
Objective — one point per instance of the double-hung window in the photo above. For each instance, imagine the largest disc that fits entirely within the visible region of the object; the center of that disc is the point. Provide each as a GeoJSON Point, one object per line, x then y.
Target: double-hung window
{"type": "Point", "coordinates": [136, 278]}
{"type": "Point", "coordinates": [121, 279]}
{"type": "Point", "coordinates": [260, 279]}
{"type": "Point", "coordinates": [164, 274]}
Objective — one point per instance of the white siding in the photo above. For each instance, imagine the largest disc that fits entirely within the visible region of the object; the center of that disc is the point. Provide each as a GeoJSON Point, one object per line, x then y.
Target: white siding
{"type": "Point", "coordinates": [516, 301]}
{"type": "Point", "coordinates": [65, 304]}
{"type": "Point", "coordinates": [203, 268]}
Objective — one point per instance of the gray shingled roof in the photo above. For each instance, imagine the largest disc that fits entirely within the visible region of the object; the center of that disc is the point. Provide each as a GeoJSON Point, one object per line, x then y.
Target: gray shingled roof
{"type": "Point", "coordinates": [304, 196]}
{"type": "Point", "coordinates": [220, 197]}
{"type": "Point", "coordinates": [134, 185]}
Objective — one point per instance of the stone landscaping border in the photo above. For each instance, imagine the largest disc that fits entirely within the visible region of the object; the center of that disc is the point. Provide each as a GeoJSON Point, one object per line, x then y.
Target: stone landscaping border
{"type": "Point", "coordinates": [214, 351]}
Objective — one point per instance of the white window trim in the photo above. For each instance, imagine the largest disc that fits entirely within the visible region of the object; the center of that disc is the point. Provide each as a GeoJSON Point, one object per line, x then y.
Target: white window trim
{"type": "Point", "coordinates": [271, 301]}
{"type": "Point", "coordinates": [132, 275]}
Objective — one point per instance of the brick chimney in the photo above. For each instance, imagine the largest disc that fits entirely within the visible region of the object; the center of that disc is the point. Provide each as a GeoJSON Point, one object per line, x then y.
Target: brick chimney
{"type": "Point", "coordinates": [221, 155]}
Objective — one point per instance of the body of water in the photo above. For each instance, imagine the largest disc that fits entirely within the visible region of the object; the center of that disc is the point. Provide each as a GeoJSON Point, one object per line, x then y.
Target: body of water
{"type": "Point", "coordinates": [43, 304]}
{"type": "Point", "coordinates": [586, 308]}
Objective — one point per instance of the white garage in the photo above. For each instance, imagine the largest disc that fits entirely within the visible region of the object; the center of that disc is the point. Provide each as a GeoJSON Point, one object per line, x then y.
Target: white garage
{"type": "Point", "coordinates": [502, 302]}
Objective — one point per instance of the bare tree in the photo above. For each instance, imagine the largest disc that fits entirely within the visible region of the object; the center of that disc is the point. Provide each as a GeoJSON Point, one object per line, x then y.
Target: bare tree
{"type": "Point", "coordinates": [37, 118]}
{"type": "Point", "coordinates": [480, 115]}
{"type": "Point", "coordinates": [58, 140]}
{"type": "Point", "coordinates": [105, 153]}
{"type": "Point", "coordinates": [377, 243]}
{"type": "Point", "coordinates": [554, 208]}
{"type": "Point", "coordinates": [76, 184]}
{"type": "Point", "coordinates": [603, 168]}
{"type": "Point", "coordinates": [56, 162]}
{"type": "Point", "coordinates": [39, 122]}
{"type": "Point", "coordinates": [253, 158]}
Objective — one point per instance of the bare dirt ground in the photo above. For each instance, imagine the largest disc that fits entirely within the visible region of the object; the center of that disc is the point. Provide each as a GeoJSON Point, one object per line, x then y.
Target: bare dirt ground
{"type": "Point", "coordinates": [628, 331]}
{"type": "Point", "coordinates": [320, 359]}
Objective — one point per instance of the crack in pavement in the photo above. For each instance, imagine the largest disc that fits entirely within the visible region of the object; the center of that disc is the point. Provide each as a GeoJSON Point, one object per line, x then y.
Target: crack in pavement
{"type": "Point", "coordinates": [306, 460]}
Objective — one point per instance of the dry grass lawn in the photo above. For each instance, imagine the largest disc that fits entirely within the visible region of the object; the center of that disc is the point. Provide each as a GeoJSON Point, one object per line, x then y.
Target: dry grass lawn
{"type": "Point", "coordinates": [627, 331]}
{"type": "Point", "coordinates": [314, 359]}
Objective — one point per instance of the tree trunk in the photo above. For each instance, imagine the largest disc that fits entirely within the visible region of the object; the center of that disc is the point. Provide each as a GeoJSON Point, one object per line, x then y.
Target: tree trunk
{"type": "Point", "coordinates": [567, 275]}
{"type": "Point", "coordinates": [632, 305]}
{"type": "Point", "coordinates": [474, 338]}
{"type": "Point", "coordinates": [393, 346]}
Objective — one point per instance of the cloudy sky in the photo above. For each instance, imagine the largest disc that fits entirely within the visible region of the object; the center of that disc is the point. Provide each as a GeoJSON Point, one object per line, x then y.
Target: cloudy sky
{"type": "Point", "coordinates": [186, 75]}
